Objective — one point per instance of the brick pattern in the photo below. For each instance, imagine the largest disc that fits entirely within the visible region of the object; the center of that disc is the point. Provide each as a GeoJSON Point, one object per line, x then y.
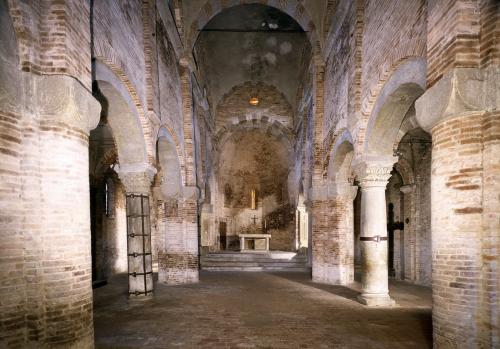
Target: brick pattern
{"type": "Point", "coordinates": [490, 33]}
{"type": "Point", "coordinates": [234, 106]}
{"type": "Point", "coordinates": [343, 73]}
{"type": "Point", "coordinates": [465, 277]}
{"type": "Point", "coordinates": [51, 35]}
{"type": "Point", "coordinates": [393, 32]}
{"type": "Point", "coordinates": [453, 37]}
{"type": "Point", "coordinates": [333, 241]}
{"type": "Point", "coordinates": [176, 244]}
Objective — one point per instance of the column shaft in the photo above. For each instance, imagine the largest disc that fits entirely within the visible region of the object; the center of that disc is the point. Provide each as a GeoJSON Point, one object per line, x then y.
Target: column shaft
{"type": "Point", "coordinates": [373, 177]}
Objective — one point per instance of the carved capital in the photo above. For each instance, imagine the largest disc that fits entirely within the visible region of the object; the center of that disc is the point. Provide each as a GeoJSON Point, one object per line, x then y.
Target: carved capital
{"type": "Point", "coordinates": [61, 98]}
{"type": "Point", "coordinates": [136, 178]}
{"type": "Point", "coordinates": [374, 171]}
{"type": "Point", "coordinates": [460, 91]}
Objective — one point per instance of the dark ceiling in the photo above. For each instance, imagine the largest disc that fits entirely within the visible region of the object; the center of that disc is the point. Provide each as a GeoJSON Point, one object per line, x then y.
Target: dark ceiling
{"type": "Point", "coordinates": [251, 18]}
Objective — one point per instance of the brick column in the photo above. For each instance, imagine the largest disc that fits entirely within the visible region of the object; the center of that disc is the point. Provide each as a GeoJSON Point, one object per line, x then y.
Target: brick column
{"type": "Point", "coordinates": [461, 112]}
{"type": "Point", "coordinates": [137, 180]}
{"type": "Point", "coordinates": [410, 240]}
{"type": "Point", "coordinates": [333, 244]}
{"type": "Point", "coordinates": [178, 258]}
{"type": "Point", "coordinates": [53, 255]}
{"type": "Point", "coordinates": [373, 176]}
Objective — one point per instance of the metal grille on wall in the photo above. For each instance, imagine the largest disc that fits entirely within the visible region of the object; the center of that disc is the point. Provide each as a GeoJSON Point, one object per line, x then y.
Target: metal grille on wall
{"type": "Point", "coordinates": [140, 271]}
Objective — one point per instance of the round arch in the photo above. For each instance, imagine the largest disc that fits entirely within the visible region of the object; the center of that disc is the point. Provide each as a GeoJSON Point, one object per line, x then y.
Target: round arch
{"type": "Point", "coordinates": [122, 117]}
{"type": "Point", "coordinates": [339, 163]}
{"type": "Point", "coordinates": [397, 96]}
{"type": "Point", "coordinates": [293, 8]}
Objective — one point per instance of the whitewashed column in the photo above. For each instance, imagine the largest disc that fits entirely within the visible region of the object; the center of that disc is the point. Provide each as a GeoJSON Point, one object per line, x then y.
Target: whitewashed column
{"type": "Point", "coordinates": [137, 180]}
{"type": "Point", "coordinates": [373, 176]}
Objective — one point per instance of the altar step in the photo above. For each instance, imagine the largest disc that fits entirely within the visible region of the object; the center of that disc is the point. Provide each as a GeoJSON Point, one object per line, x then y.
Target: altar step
{"type": "Point", "coordinates": [254, 261]}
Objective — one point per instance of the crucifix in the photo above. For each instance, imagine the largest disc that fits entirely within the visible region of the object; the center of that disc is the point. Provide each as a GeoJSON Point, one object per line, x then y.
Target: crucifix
{"type": "Point", "coordinates": [254, 219]}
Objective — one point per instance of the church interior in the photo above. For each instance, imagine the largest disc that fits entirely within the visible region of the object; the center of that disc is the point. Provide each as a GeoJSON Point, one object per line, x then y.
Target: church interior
{"type": "Point", "coordinates": [249, 174]}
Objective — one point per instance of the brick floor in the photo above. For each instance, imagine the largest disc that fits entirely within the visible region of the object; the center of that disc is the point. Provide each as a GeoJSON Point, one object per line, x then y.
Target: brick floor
{"type": "Point", "coordinates": [260, 310]}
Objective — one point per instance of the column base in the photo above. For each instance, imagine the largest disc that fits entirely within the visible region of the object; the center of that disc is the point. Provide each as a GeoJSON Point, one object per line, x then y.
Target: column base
{"type": "Point", "coordinates": [376, 300]}
{"type": "Point", "coordinates": [140, 297]}
{"type": "Point", "coordinates": [178, 276]}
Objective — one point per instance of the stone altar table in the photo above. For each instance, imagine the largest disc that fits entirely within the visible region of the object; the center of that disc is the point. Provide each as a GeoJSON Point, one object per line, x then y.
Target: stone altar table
{"type": "Point", "coordinates": [244, 237]}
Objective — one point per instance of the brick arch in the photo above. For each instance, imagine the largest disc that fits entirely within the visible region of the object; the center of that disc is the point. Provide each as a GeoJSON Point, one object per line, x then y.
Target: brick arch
{"type": "Point", "coordinates": [338, 162]}
{"type": "Point", "coordinates": [166, 129]}
{"type": "Point", "coordinates": [234, 107]}
{"type": "Point", "coordinates": [382, 118]}
{"type": "Point", "coordinates": [405, 171]}
{"type": "Point", "coordinates": [113, 63]}
{"type": "Point", "coordinates": [293, 8]}
{"type": "Point", "coordinates": [124, 117]}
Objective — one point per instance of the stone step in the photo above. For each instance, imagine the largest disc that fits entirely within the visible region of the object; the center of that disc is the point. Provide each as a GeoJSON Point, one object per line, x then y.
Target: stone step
{"type": "Point", "coordinates": [253, 256]}
{"type": "Point", "coordinates": [237, 259]}
{"type": "Point", "coordinates": [264, 268]}
{"type": "Point", "coordinates": [254, 261]}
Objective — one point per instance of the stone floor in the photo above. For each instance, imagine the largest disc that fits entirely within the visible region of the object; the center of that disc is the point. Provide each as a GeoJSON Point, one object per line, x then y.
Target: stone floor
{"type": "Point", "coordinates": [260, 310]}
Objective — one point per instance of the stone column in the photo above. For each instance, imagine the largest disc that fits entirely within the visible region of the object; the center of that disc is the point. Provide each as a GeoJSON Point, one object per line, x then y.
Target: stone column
{"type": "Point", "coordinates": [373, 176]}
{"type": "Point", "coordinates": [333, 244]}
{"type": "Point", "coordinates": [462, 113]}
{"type": "Point", "coordinates": [137, 180]}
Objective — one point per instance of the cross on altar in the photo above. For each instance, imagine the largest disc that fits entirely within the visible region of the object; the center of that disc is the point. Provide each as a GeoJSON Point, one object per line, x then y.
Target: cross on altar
{"type": "Point", "coordinates": [254, 219]}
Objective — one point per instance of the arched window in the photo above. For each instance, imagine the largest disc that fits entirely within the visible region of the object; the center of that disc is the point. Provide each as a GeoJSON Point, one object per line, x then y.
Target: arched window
{"type": "Point", "coordinates": [109, 196]}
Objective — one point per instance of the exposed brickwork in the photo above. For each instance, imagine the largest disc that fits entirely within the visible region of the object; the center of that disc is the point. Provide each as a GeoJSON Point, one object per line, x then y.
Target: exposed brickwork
{"type": "Point", "coordinates": [343, 73]}
{"type": "Point", "coordinates": [453, 37]}
{"type": "Point", "coordinates": [463, 274]}
{"type": "Point", "coordinates": [51, 35]}
{"type": "Point", "coordinates": [234, 106]}
{"type": "Point", "coordinates": [333, 241]}
{"type": "Point", "coordinates": [393, 32]}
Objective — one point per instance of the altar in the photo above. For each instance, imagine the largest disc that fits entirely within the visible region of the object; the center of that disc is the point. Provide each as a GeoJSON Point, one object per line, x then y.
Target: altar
{"type": "Point", "coordinates": [254, 237]}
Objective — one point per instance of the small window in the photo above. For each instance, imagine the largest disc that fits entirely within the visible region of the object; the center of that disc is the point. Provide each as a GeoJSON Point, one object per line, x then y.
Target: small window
{"type": "Point", "coordinates": [109, 197]}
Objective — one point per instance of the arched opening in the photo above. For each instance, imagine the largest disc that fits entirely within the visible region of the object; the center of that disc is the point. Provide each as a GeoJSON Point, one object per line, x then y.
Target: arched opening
{"type": "Point", "coordinates": [118, 151]}
{"type": "Point", "coordinates": [251, 196]}
{"type": "Point", "coordinates": [408, 208]}
{"type": "Point", "coordinates": [253, 98]}
{"type": "Point", "coordinates": [333, 248]}
{"type": "Point", "coordinates": [168, 201]}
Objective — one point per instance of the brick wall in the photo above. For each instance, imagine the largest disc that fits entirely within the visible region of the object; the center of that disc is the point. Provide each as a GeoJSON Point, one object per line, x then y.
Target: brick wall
{"type": "Point", "coordinates": [118, 29]}
{"type": "Point", "coordinates": [234, 106]}
{"type": "Point", "coordinates": [393, 31]}
{"type": "Point", "coordinates": [53, 37]}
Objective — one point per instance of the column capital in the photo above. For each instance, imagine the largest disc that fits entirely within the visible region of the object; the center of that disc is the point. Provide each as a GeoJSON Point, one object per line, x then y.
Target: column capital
{"type": "Point", "coordinates": [374, 171]}
{"type": "Point", "coordinates": [459, 91]}
{"type": "Point", "coordinates": [136, 178]}
{"type": "Point", "coordinates": [62, 98]}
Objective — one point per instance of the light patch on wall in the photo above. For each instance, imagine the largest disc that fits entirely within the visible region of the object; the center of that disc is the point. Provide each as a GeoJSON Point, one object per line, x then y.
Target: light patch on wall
{"type": "Point", "coordinates": [270, 58]}
{"type": "Point", "coordinates": [285, 48]}
{"type": "Point", "coordinates": [271, 42]}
